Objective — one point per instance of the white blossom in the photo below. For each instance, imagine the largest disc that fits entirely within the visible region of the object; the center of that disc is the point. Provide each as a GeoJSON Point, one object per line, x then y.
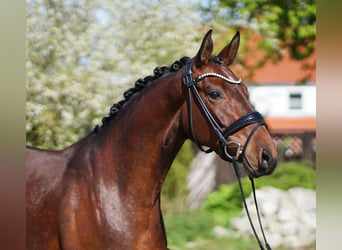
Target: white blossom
{"type": "Point", "coordinates": [81, 56]}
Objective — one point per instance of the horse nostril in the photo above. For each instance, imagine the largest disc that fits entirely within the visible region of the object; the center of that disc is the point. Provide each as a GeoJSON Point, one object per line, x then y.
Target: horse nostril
{"type": "Point", "coordinates": [267, 160]}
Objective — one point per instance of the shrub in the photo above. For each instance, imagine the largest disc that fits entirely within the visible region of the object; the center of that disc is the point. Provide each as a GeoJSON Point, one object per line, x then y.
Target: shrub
{"type": "Point", "coordinates": [226, 202]}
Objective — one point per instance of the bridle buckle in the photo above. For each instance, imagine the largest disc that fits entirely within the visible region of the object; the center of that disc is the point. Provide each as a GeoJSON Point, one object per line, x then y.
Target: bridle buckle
{"type": "Point", "coordinates": [232, 146]}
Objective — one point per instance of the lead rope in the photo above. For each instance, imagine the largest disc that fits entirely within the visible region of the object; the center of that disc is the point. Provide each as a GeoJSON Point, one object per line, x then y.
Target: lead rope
{"type": "Point", "coordinates": [238, 177]}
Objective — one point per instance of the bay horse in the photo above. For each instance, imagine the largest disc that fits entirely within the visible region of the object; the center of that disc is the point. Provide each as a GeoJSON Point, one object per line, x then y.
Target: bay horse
{"type": "Point", "coordinates": [103, 192]}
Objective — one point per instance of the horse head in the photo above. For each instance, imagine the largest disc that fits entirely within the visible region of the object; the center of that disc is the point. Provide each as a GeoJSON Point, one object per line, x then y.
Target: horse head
{"type": "Point", "coordinates": [218, 113]}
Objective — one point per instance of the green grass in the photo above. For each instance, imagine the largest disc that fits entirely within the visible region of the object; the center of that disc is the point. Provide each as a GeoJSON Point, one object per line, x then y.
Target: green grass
{"type": "Point", "coordinates": [188, 227]}
{"type": "Point", "coordinates": [214, 243]}
{"type": "Point", "coordinates": [227, 244]}
{"type": "Point", "coordinates": [193, 230]}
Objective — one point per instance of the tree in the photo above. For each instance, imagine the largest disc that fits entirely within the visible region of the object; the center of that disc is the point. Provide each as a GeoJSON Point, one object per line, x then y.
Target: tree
{"type": "Point", "coordinates": [82, 54]}
{"type": "Point", "coordinates": [281, 24]}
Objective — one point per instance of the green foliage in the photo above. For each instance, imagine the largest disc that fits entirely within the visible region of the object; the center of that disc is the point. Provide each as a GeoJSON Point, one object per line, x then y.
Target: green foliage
{"type": "Point", "coordinates": [290, 174]}
{"type": "Point", "coordinates": [282, 25]}
{"type": "Point", "coordinates": [291, 23]}
{"type": "Point", "coordinates": [226, 203]}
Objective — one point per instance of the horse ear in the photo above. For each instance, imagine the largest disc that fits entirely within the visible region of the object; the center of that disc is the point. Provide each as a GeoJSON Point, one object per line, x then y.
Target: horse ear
{"type": "Point", "coordinates": [229, 52]}
{"type": "Point", "coordinates": [205, 51]}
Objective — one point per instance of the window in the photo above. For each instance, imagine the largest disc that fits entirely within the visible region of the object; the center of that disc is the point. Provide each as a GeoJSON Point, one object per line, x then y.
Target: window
{"type": "Point", "coordinates": [295, 101]}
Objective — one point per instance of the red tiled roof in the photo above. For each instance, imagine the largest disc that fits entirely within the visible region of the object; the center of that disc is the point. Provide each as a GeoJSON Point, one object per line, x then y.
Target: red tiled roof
{"type": "Point", "coordinates": [291, 125]}
{"type": "Point", "coordinates": [285, 71]}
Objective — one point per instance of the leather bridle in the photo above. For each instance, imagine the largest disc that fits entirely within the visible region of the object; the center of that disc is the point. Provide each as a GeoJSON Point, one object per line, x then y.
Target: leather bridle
{"type": "Point", "coordinates": [223, 143]}
{"type": "Point", "coordinates": [244, 121]}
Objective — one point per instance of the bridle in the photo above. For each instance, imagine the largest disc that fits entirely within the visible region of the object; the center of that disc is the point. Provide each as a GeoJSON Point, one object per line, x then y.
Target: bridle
{"type": "Point", "coordinates": [244, 121]}
{"type": "Point", "coordinates": [223, 144]}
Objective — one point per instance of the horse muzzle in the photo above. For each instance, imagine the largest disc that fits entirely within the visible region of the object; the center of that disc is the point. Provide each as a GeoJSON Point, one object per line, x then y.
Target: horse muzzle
{"type": "Point", "coordinates": [266, 165]}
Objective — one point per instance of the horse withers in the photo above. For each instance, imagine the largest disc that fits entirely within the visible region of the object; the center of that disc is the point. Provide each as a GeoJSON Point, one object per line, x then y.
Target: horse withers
{"type": "Point", "coordinates": [103, 192]}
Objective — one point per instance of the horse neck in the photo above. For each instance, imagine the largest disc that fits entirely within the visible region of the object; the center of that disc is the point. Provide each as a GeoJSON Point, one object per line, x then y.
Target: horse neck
{"type": "Point", "coordinates": [144, 138]}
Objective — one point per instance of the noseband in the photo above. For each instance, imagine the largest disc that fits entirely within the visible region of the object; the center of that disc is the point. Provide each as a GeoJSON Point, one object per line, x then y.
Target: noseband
{"type": "Point", "coordinates": [223, 143]}
{"type": "Point", "coordinates": [239, 124]}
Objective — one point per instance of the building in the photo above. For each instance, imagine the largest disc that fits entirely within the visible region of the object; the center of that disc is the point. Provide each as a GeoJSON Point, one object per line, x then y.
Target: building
{"type": "Point", "coordinates": [285, 94]}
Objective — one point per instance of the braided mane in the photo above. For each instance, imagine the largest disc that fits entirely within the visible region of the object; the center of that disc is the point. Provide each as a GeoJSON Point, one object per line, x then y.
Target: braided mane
{"type": "Point", "coordinates": [139, 85]}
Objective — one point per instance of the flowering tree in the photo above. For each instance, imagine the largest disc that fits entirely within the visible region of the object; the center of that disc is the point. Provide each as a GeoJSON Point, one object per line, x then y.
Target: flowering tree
{"type": "Point", "coordinates": [82, 54]}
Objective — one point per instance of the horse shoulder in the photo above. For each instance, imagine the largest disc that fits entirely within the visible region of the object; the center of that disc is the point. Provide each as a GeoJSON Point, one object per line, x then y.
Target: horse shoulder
{"type": "Point", "coordinates": [80, 218]}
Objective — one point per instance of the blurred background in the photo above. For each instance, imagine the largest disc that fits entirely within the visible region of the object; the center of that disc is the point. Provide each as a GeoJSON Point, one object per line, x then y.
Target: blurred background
{"type": "Point", "coordinates": [82, 55]}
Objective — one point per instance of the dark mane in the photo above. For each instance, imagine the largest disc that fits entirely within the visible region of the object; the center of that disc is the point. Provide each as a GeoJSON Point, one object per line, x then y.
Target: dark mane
{"type": "Point", "coordinates": [139, 85]}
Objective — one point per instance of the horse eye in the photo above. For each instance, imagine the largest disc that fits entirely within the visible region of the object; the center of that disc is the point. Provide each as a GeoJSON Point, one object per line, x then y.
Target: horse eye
{"type": "Point", "coordinates": [215, 94]}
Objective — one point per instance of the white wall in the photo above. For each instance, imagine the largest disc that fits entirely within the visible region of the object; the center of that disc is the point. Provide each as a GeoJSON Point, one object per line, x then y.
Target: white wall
{"type": "Point", "coordinates": [274, 100]}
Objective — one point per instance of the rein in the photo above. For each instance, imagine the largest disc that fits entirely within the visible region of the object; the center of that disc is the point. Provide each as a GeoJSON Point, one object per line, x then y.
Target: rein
{"type": "Point", "coordinates": [223, 144]}
{"type": "Point", "coordinates": [238, 177]}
